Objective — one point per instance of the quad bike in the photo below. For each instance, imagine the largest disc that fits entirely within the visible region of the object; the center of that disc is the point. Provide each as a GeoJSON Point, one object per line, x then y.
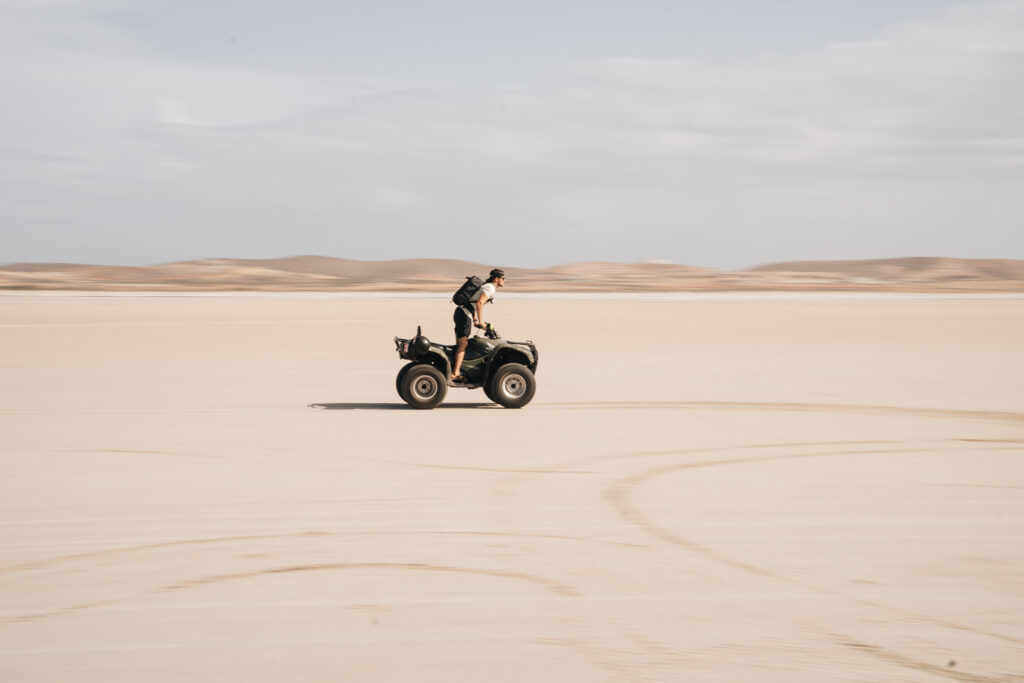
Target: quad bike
{"type": "Point", "coordinates": [504, 369]}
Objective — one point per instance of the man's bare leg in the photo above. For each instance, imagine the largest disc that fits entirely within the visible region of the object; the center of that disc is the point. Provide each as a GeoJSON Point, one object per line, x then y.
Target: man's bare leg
{"type": "Point", "coordinates": [460, 353]}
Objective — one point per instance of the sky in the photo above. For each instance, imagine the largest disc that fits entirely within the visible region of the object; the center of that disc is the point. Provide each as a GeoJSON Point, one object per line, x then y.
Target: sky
{"type": "Point", "coordinates": [720, 134]}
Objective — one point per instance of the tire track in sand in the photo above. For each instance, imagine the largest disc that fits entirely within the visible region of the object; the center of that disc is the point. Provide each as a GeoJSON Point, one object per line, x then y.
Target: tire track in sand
{"type": "Point", "coordinates": [560, 589]}
{"type": "Point", "coordinates": [887, 655]}
{"type": "Point", "coordinates": [40, 564]}
{"type": "Point", "coordinates": [983, 415]}
{"type": "Point", "coordinates": [555, 587]}
{"type": "Point", "coordinates": [618, 496]}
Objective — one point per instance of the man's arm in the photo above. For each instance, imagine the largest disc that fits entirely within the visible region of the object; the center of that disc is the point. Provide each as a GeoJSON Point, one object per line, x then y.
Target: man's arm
{"type": "Point", "coordinates": [478, 313]}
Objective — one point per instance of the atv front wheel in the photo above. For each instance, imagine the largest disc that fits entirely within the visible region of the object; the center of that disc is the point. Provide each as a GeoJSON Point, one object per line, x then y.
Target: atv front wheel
{"type": "Point", "coordinates": [512, 385]}
{"type": "Point", "coordinates": [422, 386]}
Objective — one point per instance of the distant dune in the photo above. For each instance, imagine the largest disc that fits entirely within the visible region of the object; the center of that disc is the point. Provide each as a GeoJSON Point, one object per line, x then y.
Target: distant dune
{"type": "Point", "coordinates": [322, 273]}
{"type": "Point", "coordinates": [925, 269]}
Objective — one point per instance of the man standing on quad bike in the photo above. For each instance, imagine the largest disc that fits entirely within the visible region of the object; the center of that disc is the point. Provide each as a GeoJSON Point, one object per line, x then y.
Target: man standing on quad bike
{"type": "Point", "coordinates": [466, 317]}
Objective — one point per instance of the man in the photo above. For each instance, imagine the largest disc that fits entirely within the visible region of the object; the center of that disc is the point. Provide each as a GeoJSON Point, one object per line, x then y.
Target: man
{"type": "Point", "coordinates": [467, 317]}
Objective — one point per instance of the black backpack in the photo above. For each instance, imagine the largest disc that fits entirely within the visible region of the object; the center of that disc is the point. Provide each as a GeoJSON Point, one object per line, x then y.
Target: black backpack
{"type": "Point", "coordinates": [465, 293]}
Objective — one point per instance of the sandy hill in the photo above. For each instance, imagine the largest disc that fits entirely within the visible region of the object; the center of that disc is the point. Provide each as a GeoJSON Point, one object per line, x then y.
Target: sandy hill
{"type": "Point", "coordinates": [932, 269]}
{"type": "Point", "coordinates": [321, 273]}
{"type": "Point", "coordinates": [346, 269]}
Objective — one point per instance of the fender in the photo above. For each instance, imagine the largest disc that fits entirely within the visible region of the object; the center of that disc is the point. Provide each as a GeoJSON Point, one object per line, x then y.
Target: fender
{"type": "Point", "coordinates": [434, 355]}
{"type": "Point", "coordinates": [508, 355]}
{"type": "Point", "coordinates": [438, 359]}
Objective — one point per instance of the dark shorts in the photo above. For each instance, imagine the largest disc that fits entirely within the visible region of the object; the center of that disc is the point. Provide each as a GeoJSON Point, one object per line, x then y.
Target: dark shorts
{"type": "Point", "coordinates": [463, 322]}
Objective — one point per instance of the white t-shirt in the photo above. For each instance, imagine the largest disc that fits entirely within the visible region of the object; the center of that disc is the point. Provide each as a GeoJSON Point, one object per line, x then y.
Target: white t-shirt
{"type": "Point", "coordinates": [488, 288]}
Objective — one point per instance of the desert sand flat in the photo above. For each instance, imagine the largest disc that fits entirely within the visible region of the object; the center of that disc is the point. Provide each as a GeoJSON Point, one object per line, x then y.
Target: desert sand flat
{"type": "Point", "coordinates": [228, 488]}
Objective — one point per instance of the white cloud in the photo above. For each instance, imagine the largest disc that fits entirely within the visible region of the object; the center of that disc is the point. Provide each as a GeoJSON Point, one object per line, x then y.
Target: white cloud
{"type": "Point", "coordinates": [937, 84]}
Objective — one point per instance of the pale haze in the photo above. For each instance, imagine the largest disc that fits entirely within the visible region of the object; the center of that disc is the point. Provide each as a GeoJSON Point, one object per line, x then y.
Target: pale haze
{"type": "Point", "coordinates": [724, 134]}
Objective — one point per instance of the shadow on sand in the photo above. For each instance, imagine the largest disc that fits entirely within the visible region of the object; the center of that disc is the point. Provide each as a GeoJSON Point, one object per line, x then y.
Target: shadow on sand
{"type": "Point", "coordinates": [394, 406]}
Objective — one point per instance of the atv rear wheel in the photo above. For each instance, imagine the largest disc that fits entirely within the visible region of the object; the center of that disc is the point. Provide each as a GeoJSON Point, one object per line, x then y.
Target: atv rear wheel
{"type": "Point", "coordinates": [398, 380]}
{"type": "Point", "coordinates": [422, 386]}
{"type": "Point", "coordinates": [512, 385]}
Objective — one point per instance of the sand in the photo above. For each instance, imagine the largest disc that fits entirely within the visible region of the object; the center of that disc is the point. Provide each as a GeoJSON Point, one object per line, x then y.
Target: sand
{"type": "Point", "coordinates": [228, 488]}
